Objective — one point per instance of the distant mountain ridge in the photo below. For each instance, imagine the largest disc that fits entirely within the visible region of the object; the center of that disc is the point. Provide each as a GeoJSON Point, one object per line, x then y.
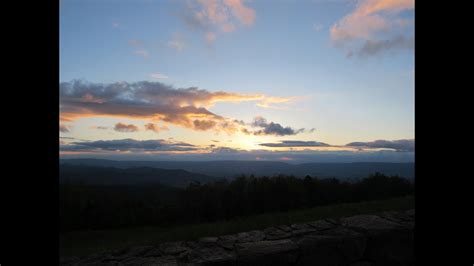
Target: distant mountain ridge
{"type": "Point", "coordinates": [106, 175]}
{"type": "Point", "coordinates": [229, 169]}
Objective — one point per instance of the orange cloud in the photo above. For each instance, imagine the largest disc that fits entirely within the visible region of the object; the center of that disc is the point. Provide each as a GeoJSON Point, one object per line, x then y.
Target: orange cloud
{"type": "Point", "coordinates": [155, 128]}
{"type": "Point", "coordinates": [187, 107]}
{"type": "Point", "coordinates": [204, 124]}
{"type": "Point", "coordinates": [366, 19]}
{"type": "Point", "coordinates": [120, 127]}
{"type": "Point", "coordinates": [372, 6]}
{"type": "Point", "coordinates": [269, 102]}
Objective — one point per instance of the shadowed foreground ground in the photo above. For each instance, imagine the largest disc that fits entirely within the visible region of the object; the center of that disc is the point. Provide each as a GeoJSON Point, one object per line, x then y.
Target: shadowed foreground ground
{"type": "Point", "coordinates": [87, 242]}
{"type": "Point", "coordinates": [382, 239]}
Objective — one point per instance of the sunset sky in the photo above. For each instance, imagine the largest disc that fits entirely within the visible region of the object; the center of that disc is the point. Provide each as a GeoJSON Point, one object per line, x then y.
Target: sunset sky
{"type": "Point", "coordinates": [236, 79]}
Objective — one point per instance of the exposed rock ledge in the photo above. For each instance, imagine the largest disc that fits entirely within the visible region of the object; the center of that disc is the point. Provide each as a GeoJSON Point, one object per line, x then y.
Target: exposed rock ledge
{"type": "Point", "coordinates": [361, 240]}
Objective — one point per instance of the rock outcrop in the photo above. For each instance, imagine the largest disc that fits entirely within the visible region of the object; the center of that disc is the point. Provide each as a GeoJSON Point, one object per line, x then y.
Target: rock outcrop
{"type": "Point", "coordinates": [362, 240]}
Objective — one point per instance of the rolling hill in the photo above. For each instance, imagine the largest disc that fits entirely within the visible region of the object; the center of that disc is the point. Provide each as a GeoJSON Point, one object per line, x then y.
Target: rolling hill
{"type": "Point", "coordinates": [230, 169]}
{"type": "Point", "coordinates": [100, 175]}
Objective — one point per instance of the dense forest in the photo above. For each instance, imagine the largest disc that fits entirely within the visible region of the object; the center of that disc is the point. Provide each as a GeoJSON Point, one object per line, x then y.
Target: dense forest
{"type": "Point", "coordinates": [85, 206]}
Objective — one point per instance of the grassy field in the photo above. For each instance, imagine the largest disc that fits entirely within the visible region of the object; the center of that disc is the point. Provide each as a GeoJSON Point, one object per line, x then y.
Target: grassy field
{"type": "Point", "coordinates": [86, 242]}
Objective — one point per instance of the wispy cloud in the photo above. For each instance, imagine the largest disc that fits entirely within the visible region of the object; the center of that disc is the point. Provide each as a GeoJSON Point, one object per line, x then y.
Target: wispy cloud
{"type": "Point", "coordinates": [296, 143]}
{"type": "Point", "coordinates": [317, 27]}
{"type": "Point", "coordinates": [276, 102]}
{"type": "Point", "coordinates": [155, 128]}
{"type": "Point", "coordinates": [210, 37]}
{"type": "Point", "coordinates": [135, 42]}
{"type": "Point", "coordinates": [177, 42]}
{"type": "Point", "coordinates": [217, 16]}
{"type": "Point", "coordinates": [142, 52]}
{"type": "Point", "coordinates": [99, 127]}
{"type": "Point", "coordinates": [157, 75]}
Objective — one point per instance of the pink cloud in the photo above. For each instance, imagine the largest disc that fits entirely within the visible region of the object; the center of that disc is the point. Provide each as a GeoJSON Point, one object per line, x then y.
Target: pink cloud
{"type": "Point", "coordinates": [228, 27]}
{"type": "Point", "coordinates": [244, 14]}
{"type": "Point", "coordinates": [218, 16]}
{"type": "Point", "coordinates": [368, 20]}
{"type": "Point", "coordinates": [210, 37]}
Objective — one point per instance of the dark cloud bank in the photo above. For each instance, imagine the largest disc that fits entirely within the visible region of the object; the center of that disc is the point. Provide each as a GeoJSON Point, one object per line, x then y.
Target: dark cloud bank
{"type": "Point", "coordinates": [296, 143]}
{"type": "Point", "coordinates": [271, 128]}
{"type": "Point", "coordinates": [400, 151]}
{"type": "Point", "coordinates": [128, 145]}
{"type": "Point", "coordinates": [407, 145]}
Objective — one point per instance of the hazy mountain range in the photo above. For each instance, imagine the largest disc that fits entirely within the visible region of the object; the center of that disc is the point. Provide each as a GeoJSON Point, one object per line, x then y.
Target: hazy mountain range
{"type": "Point", "coordinates": [99, 175]}
{"type": "Point", "coordinates": [180, 172]}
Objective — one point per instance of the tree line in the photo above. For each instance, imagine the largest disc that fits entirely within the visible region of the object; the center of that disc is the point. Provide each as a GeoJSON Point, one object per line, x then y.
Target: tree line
{"type": "Point", "coordinates": [84, 207]}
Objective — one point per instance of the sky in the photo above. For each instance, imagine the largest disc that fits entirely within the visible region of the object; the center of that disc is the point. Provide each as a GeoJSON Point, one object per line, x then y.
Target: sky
{"type": "Point", "coordinates": [237, 79]}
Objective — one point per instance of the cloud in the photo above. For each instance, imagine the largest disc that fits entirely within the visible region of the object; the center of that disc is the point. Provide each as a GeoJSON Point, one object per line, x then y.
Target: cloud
{"type": "Point", "coordinates": [214, 16]}
{"type": "Point", "coordinates": [244, 14]}
{"type": "Point", "coordinates": [226, 153]}
{"type": "Point", "coordinates": [157, 75]}
{"type": "Point", "coordinates": [228, 27]}
{"type": "Point", "coordinates": [225, 150]}
{"type": "Point", "coordinates": [204, 124]}
{"type": "Point", "coordinates": [372, 47]}
{"type": "Point", "coordinates": [63, 128]}
{"type": "Point", "coordinates": [150, 100]}
{"type": "Point", "coordinates": [407, 145]}
{"type": "Point", "coordinates": [177, 45]}
{"type": "Point", "coordinates": [271, 128]}
{"type": "Point", "coordinates": [370, 20]}
{"type": "Point", "coordinates": [143, 53]}
{"type": "Point", "coordinates": [177, 42]}
{"type": "Point", "coordinates": [178, 150]}
{"type": "Point", "coordinates": [210, 37]}
{"type": "Point", "coordinates": [296, 143]}
{"type": "Point", "coordinates": [317, 27]}
{"type": "Point", "coordinates": [99, 127]}
{"type": "Point", "coordinates": [120, 127]}
{"type": "Point", "coordinates": [155, 128]}
{"type": "Point", "coordinates": [135, 42]}
{"type": "Point", "coordinates": [128, 145]}
{"type": "Point", "coordinates": [269, 102]}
